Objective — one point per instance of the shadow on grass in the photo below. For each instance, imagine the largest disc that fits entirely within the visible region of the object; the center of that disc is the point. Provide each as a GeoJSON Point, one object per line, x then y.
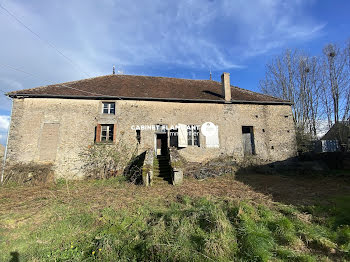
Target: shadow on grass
{"type": "Point", "coordinates": [313, 187]}
{"type": "Point", "coordinates": [14, 257]}
{"type": "Point", "coordinates": [297, 182]}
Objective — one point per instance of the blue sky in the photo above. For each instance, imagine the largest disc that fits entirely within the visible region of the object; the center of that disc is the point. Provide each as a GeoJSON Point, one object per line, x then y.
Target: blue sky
{"type": "Point", "coordinates": [184, 38]}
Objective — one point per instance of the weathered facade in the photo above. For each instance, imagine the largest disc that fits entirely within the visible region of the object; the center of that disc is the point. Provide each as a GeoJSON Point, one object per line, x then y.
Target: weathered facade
{"type": "Point", "coordinates": [51, 127]}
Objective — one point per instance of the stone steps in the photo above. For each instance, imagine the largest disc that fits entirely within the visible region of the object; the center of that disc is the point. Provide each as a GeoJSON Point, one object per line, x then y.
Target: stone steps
{"type": "Point", "coordinates": [164, 169]}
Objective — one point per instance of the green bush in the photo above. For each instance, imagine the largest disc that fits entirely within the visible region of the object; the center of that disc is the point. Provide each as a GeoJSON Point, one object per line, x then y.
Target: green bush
{"type": "Point", "coordinates": [105, 160]}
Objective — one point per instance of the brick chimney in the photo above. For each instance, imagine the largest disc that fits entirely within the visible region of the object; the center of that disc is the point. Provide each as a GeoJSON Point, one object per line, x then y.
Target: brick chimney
{"type": "Point", "coordinates": [226, 87]}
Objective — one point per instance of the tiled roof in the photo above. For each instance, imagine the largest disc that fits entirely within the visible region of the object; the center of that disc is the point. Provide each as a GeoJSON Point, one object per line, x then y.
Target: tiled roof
{"type": "Point", "coordinates": [339, 131]}
{"type": "Point", "coordinates": [145, 87]}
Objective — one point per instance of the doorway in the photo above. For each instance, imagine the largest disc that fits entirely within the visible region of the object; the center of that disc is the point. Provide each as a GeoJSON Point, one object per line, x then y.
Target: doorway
{"type": "Point", "coordinates": [248, 140]}
{"type": "Point", "coordinates": [162, 144]}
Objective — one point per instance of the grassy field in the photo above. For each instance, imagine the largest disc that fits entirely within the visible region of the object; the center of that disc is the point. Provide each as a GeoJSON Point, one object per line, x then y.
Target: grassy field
{"type": "Point", "coordinates": [247, 218]}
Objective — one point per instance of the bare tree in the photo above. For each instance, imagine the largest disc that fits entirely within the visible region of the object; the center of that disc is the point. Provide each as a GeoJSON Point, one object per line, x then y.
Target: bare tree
{"type": "Point", "coordinates": [347, 52]}
{"type": "Point", "coordinates": [318, 87]}
{"type": "Point", "coordinates": [295, 77]}
{"type": "Point", "coordinates": [336, 91]}
{"type": "Point", "coordinates": [347, 94]}
{"type": "Point", "coordinates": [313, 94]}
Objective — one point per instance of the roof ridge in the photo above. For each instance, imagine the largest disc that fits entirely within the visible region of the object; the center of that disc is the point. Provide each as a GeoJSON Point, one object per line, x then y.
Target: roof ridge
{"type": "Point", "coordinates": [166, 77]}
{"type": "Point", "coordinates": [91, 78]}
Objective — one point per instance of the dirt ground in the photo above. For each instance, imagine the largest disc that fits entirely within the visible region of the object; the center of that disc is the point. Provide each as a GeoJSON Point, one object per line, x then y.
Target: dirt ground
{"type": "Point", "coordinates": [251, 187]}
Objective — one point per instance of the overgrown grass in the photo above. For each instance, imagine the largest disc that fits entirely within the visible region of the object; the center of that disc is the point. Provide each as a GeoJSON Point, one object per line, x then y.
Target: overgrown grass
{"type": "Point", "coordinates": [188, 229]}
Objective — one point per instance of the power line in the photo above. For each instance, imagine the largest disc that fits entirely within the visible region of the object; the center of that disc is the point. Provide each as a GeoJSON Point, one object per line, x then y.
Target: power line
{"type": "Point", "coordinates": [16, 69]}
{"type": "Point", "coordinates": [4, 92]}
{"type": "Point", "coordinates": [37, 77]}
{"type": "Point", "coordinates": [43, 40]}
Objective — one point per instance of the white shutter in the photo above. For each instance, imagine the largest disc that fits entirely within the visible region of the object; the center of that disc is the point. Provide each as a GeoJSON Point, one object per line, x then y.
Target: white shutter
{"type": "Point", "coordinates": [182, 135]}
{"type": "Point", "coordinates": [212, 141]}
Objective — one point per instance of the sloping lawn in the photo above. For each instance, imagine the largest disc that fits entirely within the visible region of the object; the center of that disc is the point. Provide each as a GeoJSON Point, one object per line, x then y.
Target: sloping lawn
{"type": "Point", "coordinates": [219, 219]}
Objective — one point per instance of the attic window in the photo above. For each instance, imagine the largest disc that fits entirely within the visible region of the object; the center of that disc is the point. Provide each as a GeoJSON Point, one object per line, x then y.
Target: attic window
{"type": "Point", "coordinates": [108, 108]}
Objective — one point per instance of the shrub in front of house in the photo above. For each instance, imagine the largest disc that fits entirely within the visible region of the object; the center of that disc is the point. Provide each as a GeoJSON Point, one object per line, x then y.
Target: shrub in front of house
{"type": "Point", "coordinates": [105, 160]}
{"type": "Point", "coordinates": [28, 173]}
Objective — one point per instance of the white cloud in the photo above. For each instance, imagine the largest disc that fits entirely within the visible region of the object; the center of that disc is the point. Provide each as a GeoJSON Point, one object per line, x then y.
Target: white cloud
{"type": "Point", "coordinates": [195, 34]}
{"type": "Point", "coordinates": [4, 122]}
{"type": "Point", "coordinates": [4, 125]}
{"type": "Point", "coordinates": [3, 139]}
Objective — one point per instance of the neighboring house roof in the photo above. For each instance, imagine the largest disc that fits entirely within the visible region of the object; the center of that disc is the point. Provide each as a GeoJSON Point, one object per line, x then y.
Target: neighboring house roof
{"type": "Point", "coordinates": [339, 131]}
{"type": "Point", "coordinates": [146, 88]}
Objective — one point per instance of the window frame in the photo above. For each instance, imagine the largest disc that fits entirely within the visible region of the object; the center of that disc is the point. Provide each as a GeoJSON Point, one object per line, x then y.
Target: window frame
{"type": "Point", "coordinates": [174, 137]}
{"type": "Point", "coordinates": [192, 139]}
{"type": "Point", "coordinates": [109, 108]}
{"type": "Point", "coordinates": [109, 137]}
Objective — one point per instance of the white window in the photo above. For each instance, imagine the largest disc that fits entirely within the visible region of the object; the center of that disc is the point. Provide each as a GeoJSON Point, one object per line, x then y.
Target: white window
{"type": "Point", "coordinates": [193, 135]}
{"type": "Point", "coordinates": [182, 135]}
{"type": "Point", "coordinates": [212, 140]}
{"type": "Point", "coordinates": [108, 108]}
{"type": "Point", "coordinates": [107, 133]}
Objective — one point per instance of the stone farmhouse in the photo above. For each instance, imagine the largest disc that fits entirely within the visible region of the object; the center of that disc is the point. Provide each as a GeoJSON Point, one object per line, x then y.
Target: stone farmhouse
{"type": "Point", "coordinates": [54, 123]}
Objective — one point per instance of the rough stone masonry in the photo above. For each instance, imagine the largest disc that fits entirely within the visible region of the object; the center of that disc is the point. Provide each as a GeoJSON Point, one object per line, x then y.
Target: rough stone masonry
{"type": "Point", "coordinates": [55, 123]}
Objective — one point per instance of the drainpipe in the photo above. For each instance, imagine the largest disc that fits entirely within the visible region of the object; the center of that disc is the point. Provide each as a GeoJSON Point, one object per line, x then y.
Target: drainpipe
{"type": "Point", "coordinates": [5, 154]}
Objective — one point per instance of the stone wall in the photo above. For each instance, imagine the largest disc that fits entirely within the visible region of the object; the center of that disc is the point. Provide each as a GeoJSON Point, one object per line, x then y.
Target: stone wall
{"type": "Point", "coordinates": [273, 127]}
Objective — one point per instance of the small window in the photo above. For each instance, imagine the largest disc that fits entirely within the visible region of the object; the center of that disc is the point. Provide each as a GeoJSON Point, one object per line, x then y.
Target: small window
{"type": "Point", "coordinates": [189, 137]}
{"type": "Point", "coordinates": [196, 136]}
{"type": "Point", "coordinates": [174, 140]}
{"type": "Point", "coordinates": [193, 135]}
{"type": "Point", "coordinates": [108, 108]}
{"type": "Point", "coordinates": [138, 136]}
{"type": "Point", "coordinates": [107, 133]}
